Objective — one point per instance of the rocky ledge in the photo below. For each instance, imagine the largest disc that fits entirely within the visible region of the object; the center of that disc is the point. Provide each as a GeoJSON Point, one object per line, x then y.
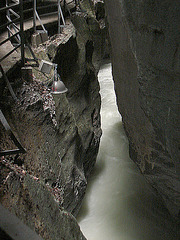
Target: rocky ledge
{"type": "Point", "coordinates": [60, 133]}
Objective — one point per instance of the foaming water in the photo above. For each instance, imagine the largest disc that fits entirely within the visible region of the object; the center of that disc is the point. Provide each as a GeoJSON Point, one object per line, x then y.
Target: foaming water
{"type": "Point", "coordinates": [119, 204]}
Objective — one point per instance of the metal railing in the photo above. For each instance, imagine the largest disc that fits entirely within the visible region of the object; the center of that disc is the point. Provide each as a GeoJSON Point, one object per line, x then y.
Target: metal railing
{"type": "Point", "coordinates": [14, 25]}
{"type": "Point", "coordinates": [52, 8]}
{"type": "Point", "coordinates": [20, 148]}
{"type": "Point", "coordinates": [15, 21]}
{"type": "Point", "coordinates": [11, 25]}
{"type": "Point", "coordinates": [15, 17]}
{"type": "Point", "coordinates": [37, 11]}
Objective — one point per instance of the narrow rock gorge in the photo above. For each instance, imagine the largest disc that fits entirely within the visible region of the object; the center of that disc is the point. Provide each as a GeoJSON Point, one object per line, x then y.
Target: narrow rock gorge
{"type": "Point", "coordinates": [61, 134]}
{"type": "Point", "coordinates": [146, 69]}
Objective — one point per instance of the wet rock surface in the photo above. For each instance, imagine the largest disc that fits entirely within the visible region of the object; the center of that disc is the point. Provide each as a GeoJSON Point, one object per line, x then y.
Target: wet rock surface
{"type": "Point", "coordinates": [145, 55]}
{"type": "Point", "coordinates": [31, 201]}
{"type": "Point", "coordinates": [61, 133]}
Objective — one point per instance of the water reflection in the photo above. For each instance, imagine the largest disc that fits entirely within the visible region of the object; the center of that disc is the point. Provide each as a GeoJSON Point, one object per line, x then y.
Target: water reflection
{"type": "Point", "coordinates": [119, 204]}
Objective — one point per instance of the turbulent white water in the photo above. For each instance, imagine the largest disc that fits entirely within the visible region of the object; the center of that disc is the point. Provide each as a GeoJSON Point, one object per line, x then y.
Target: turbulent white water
{"type": "Point", "coordinates": [119, 204]}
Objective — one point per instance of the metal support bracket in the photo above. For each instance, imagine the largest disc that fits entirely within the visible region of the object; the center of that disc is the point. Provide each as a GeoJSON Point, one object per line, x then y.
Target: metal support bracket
{"type": "Point", "coordinates": [14, 139]}
{"type": "Point", "coordinates": [8, 84]}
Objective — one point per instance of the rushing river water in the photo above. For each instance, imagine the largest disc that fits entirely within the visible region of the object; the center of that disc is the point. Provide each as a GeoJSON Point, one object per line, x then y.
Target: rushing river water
{"type": "Point", "coordinates": [119, 204]}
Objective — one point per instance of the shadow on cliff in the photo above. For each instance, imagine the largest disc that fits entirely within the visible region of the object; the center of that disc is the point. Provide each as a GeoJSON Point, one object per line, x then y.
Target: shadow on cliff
{"type": "Point", "coordinates": [98, 169]}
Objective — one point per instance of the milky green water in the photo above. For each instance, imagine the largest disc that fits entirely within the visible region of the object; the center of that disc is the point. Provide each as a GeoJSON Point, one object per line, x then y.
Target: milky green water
{"type": "Point", "coordinates": [119, 204]}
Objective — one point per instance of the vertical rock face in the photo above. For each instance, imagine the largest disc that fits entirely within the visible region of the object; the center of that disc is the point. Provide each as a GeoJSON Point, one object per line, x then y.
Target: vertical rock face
{"type": "Point", "coordinates": [146, 69]}
{"type": "Point", "coordinates": [61, 140]}
{"type": "Point", "coordinates": [30, 200]}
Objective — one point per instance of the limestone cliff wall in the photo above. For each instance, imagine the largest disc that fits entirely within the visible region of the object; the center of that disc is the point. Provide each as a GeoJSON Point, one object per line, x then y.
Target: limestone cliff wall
{"type": "Point", "coordinates": [145, 41]}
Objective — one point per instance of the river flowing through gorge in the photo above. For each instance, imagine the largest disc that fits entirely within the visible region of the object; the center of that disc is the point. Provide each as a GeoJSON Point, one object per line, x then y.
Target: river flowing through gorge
{"type": "Point", "coordinates": [119, 203]}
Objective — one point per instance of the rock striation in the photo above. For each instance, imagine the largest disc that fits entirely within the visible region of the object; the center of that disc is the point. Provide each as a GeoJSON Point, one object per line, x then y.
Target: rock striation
{"type": "Point", "coordinates": [146, 69]}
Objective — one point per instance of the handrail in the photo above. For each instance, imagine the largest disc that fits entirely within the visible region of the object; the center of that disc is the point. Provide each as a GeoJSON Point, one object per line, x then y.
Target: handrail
{"type": "Point", "coordinates": [18, 31]}
{"type": "Point", "coordinates": [9, 23]}
{"type": "Point", "coordinates": [14, 13]}
{"type": "Point", "coordinates": [12, 23]}
{"type": "Point", "coordinates": [9, 7]}
{"type": "Point", "coordinates": [9, 53]}
{"type": "Point", "coordinates": [13, 35]}
{"type": "Point", "coordinates": [8, 83]}
{"type": "Point", "coordinates": [11, 134]}
{"type": "Point", "coordinates": [37, 16]}
{"type": "Point", "coordinates": [31, 9]}
{"type": "Point", "coordinates": [18, 14]}
{"type": "Point", "coordinates": [10, 38]}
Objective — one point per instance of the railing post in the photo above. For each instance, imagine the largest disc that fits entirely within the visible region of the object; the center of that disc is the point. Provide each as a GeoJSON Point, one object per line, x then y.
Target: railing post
{"type": "Point", "coordinates": [59, 18]}
{"type": "Point", "coordinates": [64, 5]}
{"type": "Point", "coordinates": [22, 32]}
{"type": "Point", "coordinates": [60, 15]}
{"type": "Point", "coordinates": [34, 15]}
{"type": "Point", "coordinates": [8, 16]}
